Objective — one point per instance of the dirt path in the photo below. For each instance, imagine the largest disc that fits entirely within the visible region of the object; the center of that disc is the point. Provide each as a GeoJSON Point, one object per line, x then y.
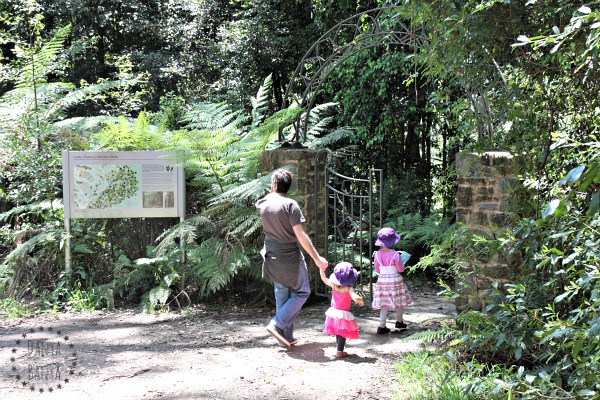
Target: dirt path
{"type": "Point", "coordinates": [202, 354]}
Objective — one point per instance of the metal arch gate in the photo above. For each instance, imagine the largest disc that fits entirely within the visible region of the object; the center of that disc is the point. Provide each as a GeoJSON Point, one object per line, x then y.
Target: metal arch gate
{"type": "Point", "coordinates": [365, 30]}
{"type": "Point", "coordinates": [351, 216]}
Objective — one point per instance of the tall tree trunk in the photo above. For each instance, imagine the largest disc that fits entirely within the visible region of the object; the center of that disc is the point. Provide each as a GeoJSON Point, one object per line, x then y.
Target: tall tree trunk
{"type": "Point", "coordinates": [277, 90]}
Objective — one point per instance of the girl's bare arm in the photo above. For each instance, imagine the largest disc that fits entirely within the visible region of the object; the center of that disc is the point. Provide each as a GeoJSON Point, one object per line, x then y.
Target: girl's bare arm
{"type": "Point", "coordinates": [324, 278]}
{"type": "Point", "coordinates": [356, 298]}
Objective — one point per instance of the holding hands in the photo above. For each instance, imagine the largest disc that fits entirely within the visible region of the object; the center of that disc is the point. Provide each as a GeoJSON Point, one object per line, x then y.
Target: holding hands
{"type": "Point", "coordinates": [322, 263]}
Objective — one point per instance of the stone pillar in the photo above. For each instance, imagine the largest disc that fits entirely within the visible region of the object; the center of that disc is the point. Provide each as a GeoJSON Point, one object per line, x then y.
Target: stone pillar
{"type": "Point", "coordinates": [301, 163]}
{"type": "Point", "coordinates": [485, 187]}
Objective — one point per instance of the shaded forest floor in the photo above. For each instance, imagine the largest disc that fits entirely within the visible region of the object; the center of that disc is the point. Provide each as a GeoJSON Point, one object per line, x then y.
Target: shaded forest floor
{"type": "Point", "coordinates": [204, 353]}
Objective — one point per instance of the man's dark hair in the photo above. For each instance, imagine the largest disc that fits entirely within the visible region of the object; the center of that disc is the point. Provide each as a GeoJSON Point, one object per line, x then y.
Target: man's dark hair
{"type": "Point", "coordinates": [283, 179]}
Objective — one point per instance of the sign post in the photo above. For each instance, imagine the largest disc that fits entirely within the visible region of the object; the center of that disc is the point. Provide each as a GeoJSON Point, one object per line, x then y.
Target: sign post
{"type": "Point", "coordinates": [121, 184]}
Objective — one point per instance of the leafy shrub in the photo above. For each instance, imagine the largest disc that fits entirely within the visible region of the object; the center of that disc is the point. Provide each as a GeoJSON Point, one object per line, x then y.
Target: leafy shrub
{"type": "Point", "coordinates": [426, 375]}
{"type": "Point", "coordinates": [11, 308]}
{"type": "Point", "coordinates": [543, 328]}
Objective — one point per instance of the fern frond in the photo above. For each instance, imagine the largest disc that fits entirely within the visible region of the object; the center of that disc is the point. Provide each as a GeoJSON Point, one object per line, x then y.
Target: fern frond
{"type": "Point", "coordinates": [186, 231]}
{"type": "Point", "coordinates": [127, 134]}
{"type": "Point", "coordinates": [36, 67]}
{"type": "Point", "coordinates": [213, 116]}
{"type": "Point", "coordinates": [85, 124]}
{"type": "Point", "coordinates": [261, 102]}
{"type": "Point", "coordinates": [82, 248]}
{"type": "Point", "coordinates": [56, 109]}
{"type": "Point", "coordinates": [422, 230]}
{"type": "Point", "coordinates": [317, 123]}
{"type": "Point", "coordinates": [115, 136]}
{"type": "Point", "coordinates": [442, 334]}
{"type": "Point", "coordinates": [332, 138]}
{"type": "Point", "coordinates": [242, 194]}
{"type": "Point", "coordinates": [241, 221]}
{"type": "Point", "coordinates": [19, 102]}
{"type": "Point", "coordinates": [46, 237]}
{"type": "Point", "coordinates": [215, 263]}
{"type": "Point", "coordinates": [34, 208]}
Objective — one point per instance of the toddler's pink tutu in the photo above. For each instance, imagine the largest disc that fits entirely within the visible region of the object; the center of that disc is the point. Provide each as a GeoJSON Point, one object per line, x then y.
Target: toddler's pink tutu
{"type": "Point", "coordinates": [340, 322]}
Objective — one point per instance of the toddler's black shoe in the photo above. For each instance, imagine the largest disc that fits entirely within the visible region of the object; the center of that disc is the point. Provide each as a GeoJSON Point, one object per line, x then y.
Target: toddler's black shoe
{"type": "Point", "coordinates": [400, 325]}
{"type": "Point", "coordinates": [382, 330]}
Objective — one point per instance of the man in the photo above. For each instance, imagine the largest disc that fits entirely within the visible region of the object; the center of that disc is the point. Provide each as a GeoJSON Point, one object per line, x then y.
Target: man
{"type": "Point", "coordinates": [283, 262]}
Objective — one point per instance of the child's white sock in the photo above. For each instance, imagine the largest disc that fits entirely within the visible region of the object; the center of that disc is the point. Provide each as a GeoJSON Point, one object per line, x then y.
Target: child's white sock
{"type": "Point", "coordinates": [383, 317]}
{"type": "Point", "coordinates": [399, 314]}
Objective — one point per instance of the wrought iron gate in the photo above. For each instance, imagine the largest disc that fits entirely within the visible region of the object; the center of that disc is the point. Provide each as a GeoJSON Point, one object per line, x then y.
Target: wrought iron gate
{"type": "Point", "coordinates": [352, 211]}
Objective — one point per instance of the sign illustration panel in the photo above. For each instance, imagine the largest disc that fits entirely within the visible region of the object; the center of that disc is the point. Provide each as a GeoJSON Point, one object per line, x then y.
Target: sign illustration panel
{"type": "Point", "coordinates": [122, 184]}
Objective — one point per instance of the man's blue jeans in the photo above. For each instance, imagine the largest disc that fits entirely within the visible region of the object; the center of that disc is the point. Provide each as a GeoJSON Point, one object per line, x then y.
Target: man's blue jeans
{"type": "Point", "coordinates": [289, 301]}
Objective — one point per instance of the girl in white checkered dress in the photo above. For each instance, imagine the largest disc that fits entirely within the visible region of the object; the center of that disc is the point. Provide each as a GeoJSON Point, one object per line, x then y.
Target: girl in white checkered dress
{"type": "Point", "coordinates": [390, 293]}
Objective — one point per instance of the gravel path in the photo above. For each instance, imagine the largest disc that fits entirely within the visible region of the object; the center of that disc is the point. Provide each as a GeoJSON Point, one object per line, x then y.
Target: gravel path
{"type": "Point", "coordinates": [203, 354]}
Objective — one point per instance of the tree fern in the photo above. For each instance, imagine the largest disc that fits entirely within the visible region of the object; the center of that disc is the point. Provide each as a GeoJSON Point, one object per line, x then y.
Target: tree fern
{"type": "Point", "coordinates": [38, 64]}
{"type": "Point", "coordinates": [186, 231]}
{"type": "Point", "coordinates": [222, 151]}
{"type": "Point", "coordinates": [213, 117]}
{"type": "Point", "coordinates": [260, 103]}
{"type": "Point", "coordinates": [127, 135]}
{"type": "Point", "coordinates": [215, 262]}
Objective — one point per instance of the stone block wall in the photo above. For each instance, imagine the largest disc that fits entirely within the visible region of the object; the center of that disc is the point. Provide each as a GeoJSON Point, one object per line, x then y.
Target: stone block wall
{"type": "Point", "coordinates": [483, 200]}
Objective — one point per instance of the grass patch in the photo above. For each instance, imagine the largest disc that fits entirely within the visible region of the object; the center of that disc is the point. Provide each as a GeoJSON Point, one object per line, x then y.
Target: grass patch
{"type": "Point", "coordinates": [11, 308]}
{"type": "Point", "coordinates": [430, 376]}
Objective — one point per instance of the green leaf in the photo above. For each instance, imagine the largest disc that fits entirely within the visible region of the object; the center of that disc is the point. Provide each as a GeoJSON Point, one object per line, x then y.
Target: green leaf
{"type": "Point", "coordinates": [554, 208]}
{"type": "Point", "coordinates": [501, 339]}
{"type": "Point", "coordinates": [577, 347]}
{"type": "Point", "coordinates": [559, 298]}
{"type": "Point", "coordinates": [573, 175]}
{"type": "Point", "coordinates": [594, 205]}
{"type": "Point", "coordinates": [170, 279]}
{"type": "Point", "coordinates": [159, 295]}
{"type": "Point", "coordinates": [586, 392]}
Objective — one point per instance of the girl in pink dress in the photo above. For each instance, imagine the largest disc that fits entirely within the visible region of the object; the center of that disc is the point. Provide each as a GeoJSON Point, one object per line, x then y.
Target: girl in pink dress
{"type": "Point", "coordinates": [339, 321]}
{"type": "Point", "coordinates": [390, 293]}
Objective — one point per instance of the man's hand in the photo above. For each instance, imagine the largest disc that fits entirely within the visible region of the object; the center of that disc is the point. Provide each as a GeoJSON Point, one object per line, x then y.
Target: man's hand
{"type": "Point", "coordinates": [322, 263]}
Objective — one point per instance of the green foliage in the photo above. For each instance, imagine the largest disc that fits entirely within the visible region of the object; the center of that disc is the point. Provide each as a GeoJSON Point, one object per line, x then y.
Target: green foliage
{"type": "Point", "coordinates": [544, 325]}
{"type": "Point", "coordinates": [222, 149]}
{"type": "Point", "coordinates": [171, 112]}
{"type": "Point", "coordinates": [39, 63]}
{"type": "Point", "coordinates": [256, 41]}
{"type": "Point", "coordinates": [11, 308]}
{"type": "Point", "coordinates": [78, 299]}
{"type": "Point", "coordinates": [406, 193]}
{"type": "Point", "coordinates": [427, 376]}
{"type": "Point", "coordinates": [127, 135]}
{"type": "Point", "coordinates": [432, 240]}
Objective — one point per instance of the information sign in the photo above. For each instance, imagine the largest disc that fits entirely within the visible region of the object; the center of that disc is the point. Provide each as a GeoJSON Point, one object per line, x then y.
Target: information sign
{"type": "Point", "coordinates": [122, 184]}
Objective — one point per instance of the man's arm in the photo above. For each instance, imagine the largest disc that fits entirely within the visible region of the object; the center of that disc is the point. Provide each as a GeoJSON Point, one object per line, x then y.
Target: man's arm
{"type": "Point", "coordinates": [307, 245]}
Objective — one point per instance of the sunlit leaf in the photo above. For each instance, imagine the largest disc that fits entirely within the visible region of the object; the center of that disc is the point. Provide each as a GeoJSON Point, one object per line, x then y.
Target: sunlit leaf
{"type": "Point", "coordinates": [573, 175]}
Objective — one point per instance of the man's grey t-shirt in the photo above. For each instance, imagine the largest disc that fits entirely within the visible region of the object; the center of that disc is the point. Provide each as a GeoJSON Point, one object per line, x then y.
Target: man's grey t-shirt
{"type": "Point", "coordinates": [281, 252]}
{"type": "Point", "coordinates": [279, 215]}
